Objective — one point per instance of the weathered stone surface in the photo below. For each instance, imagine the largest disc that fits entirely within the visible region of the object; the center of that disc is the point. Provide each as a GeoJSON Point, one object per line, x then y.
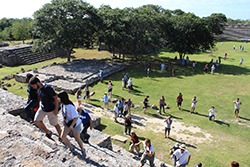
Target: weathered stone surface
{"type": "Point", "coordinates": [43, 78]}
{"type": "Point", "coordinates": [70, 76]}
{"type": "Point", "coordinates": [23, 144]}
{"type": "Point", "coordinates": [22, 54]}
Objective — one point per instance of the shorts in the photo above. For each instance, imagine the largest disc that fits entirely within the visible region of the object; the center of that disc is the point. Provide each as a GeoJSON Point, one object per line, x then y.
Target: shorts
{"type": "Point", "coordinates": [236, 111]}
{"type": "Point", "coordinates": [179, 103]}
{"type": "Point", "coordinates": [79, 97]}
{"type": "Point", "coordinates": [167, 130]}
{"type": "Point", "coordinates": [78, 128]}
{"type": "Point", "coordinates": [145, 105]}
{"type": "Point", "coordinates": [40, 114]}
{"type": "Point", "coordinates": [193, 105]}
{"type": "Point", "coordinates": [110, 90]}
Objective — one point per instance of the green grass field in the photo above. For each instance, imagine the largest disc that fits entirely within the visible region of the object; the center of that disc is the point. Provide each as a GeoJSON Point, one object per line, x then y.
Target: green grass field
{"type": "Point", "coordinates": [230, 81]}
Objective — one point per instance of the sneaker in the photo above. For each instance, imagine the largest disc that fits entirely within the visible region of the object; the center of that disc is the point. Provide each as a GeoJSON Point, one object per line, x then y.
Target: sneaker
{"type": "Point", "coordinates": [83, 152]}
{"type": "Point", "coordinates": [49, 134]}
{"type": "Point", "coordinates": [73, 151]}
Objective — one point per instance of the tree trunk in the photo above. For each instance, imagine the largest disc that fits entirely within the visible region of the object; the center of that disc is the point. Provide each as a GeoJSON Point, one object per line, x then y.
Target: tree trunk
{"type": "Point", "coordinates": [69, 54]}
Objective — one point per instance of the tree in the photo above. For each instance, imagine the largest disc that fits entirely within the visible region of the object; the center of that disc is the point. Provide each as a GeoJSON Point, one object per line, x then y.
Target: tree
{"type": "Point", "coordinates": [215, 22]}
{"type": "Point", "coordinates": [21, 29]}
{"type": "Point", "coordinates": [65, 24]}
{"type": "Point", "coordinates": [189, 35]}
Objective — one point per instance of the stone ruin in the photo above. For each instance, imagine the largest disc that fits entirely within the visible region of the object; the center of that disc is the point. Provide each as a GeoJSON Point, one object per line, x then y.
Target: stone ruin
{"type": "Point", "coordinates": [22, 54]}
{"type": "Point", "coordinates": [74, 75]}
{"type": "Point", "coordinates": [23, 144]}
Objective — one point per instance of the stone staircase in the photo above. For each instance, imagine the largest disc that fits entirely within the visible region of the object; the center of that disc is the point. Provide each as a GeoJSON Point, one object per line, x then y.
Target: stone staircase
{"type": "Point", "coordinates": [22, 54]}
{"type": "Point", "coordinates": [236, 32]}
{"type": "Point", "coordinates": [22, 144]}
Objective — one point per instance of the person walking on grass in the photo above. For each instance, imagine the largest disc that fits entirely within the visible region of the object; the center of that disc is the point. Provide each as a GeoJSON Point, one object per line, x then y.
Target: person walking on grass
{"type": "Point", "coordinates": [105, 101]}
{"type": "Point", "coordinates": [237, 104]}
{"type": "Point", "coordinates": [179, 100]}
{"type": "Point", "coordinates": [128, 124]}
{"type": "Point", "coordinates": [110, 88]}
{"type": "Point", "coordinates": [212, 69]}
{"type": "Point", "coordinates": [148, 154]}
{"type": "Point", "coordinates": [71, 122]}
{"type": "Point", "coordinates": [130, 84]}
{"type": "Point", "coordinates": [162, 104]}
{"type": "Point", "coordinates": [48, 106]}
{"type": "Point", "coordinates": [145, 104]}
{"type": "Point", "coordinates": [168, 124]}
{"type": "Point", "coordinates": [211, 116]}
{"type": "Point", "coordinates": [193, 105]}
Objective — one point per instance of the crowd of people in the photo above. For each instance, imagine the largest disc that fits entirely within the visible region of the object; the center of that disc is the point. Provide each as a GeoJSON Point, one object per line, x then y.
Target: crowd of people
{"type": "Point", "coordinates": [43, 101]}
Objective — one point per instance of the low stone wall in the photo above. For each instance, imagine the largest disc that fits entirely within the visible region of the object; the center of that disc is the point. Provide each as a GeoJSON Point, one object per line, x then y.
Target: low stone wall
{"type": "Point", "coordinates": [74, 75]}
{"type": "Point", "coordinates": [23, 54]}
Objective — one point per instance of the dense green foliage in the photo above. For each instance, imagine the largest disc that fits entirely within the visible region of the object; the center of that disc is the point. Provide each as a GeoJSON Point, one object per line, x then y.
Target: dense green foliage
{"type": "Point", "coordinates": [130, 31]}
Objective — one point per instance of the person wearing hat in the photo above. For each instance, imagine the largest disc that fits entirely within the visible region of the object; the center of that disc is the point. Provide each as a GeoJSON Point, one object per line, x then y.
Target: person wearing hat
{"type": "Point", "coordinates": [32, 103]}
{"type": "Point", "coordinates": [181, 156]}
{"type": "Point", "coordinates": [174, 148]}
{"type": "Point", "coordinates": [135, 143]}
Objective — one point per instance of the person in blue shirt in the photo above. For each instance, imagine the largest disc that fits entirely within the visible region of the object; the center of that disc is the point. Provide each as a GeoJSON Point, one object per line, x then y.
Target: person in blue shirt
{"type": "Point", "coordinates": [101, 75]}
{"type": "Point", "coordinates": [105, 100]}
{"type": "Point", "coordinates": [48, 106]}
{"type": "Point", "coordinates": [87, 123]}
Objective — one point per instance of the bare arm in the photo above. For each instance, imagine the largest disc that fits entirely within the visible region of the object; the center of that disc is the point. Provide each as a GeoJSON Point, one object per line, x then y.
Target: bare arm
{"type": "Point", "coordinates": [56, 104]}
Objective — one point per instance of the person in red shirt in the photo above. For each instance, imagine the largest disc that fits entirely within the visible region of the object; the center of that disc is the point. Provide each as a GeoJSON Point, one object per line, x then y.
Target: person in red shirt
{"type": "Point", "coordinates": [179, 100]}
{"type": "Point", "coordinates": [135, 143]}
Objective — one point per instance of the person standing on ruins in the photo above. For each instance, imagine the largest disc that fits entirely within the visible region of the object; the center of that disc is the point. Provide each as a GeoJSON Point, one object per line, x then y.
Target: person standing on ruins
{"type": "Point", "coordinates": [32, 103]}
{"type": "Point", "coordinates": [79, 96]}
{"type": "Point", "coordinates": [48, 106]}
{"type": "Point", "coordinates": [110, 88]}
{"type": "Point", "coordinates": [87, 94]}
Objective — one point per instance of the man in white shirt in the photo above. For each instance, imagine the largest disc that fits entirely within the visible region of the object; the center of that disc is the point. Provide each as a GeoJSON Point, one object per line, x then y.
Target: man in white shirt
{"type": "Point", "coordinates": [211, 113]}
{"type": "Point", "coordinates": [181, 156]}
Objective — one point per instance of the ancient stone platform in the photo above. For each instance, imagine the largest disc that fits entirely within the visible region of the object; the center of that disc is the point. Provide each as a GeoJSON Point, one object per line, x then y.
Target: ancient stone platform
{"type": "Point", "coordinates": [74, 75]}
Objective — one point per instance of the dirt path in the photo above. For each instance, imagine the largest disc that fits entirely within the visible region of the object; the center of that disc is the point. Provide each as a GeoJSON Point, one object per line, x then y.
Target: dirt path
{"type": "Point", "coordinates": [180, 132]}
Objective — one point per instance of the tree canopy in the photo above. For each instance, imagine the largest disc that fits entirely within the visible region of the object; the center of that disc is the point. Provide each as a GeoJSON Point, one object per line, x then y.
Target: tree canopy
{"type": "Point", "coordinates": [130, 31]}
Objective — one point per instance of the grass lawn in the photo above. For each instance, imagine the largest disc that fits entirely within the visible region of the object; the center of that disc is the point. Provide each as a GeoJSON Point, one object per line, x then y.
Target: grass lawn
{"type": "Point", "coordinates": [230, 81]}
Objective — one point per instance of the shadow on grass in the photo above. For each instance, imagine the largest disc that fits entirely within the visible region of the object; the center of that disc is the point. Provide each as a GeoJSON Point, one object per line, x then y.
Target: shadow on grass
{"type": "Point", "coordinates": [221, 122]}
{"type": "Point", "coordinates": [175, 117]}
{"type": "Point", "coordinates": [247, 119]}
{"type": "Point", "coordinates": [188, 145]}
{"type": "Point", "coordinates": [155, 115]}
{"type": "Point", "coordinates": [196, 113]}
